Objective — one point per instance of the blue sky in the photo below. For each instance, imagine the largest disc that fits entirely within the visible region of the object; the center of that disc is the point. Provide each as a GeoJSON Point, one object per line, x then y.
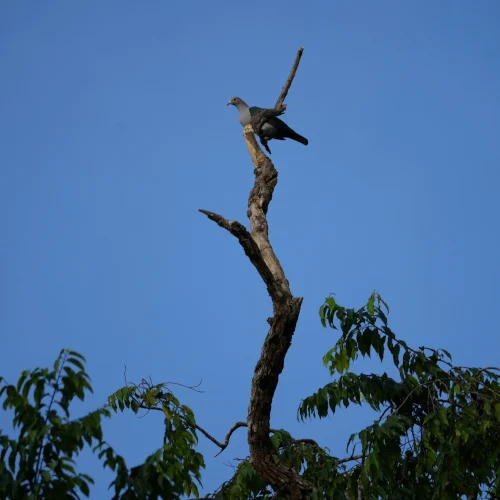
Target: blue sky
{"type": "Point", "coordinates": [114, 131]}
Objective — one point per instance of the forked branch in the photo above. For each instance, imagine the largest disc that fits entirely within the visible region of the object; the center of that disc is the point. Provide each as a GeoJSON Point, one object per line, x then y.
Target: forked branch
{"type": "Point", "coordinates": [286, 309]}
{"type": "Point", "coordinates": [262, 116]}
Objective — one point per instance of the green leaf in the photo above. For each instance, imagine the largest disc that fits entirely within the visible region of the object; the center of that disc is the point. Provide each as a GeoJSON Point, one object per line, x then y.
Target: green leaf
{"type": "Point", "coordinates": [406, 360]}
{"type": "Point", "coordinates": [378, 345]}
{"type": "Point", "coordinates": [370, 306]}
{"type": "Point", "coordinates": [395, 354]}
{"type": "Point", "coordinates": [350, 440]}
{"type": "Point", "coordinates": [134, 406]}
{"type": "Point", "coordinates": [448, 355]}
{"type": "Point", "coordinates": [39, 392]}
{"type": "Point", "coordinates": [12, 458]}
{"type": "Point", "coordinates": [167, 412]}
{"type": "Point", "coordinates": [27, 387]}
{"type": "Point", "coordinates": [22, 378]}
{"type": "Point", "coordinates": [429, 417]}
{"type": "Point", "coordinates": [330, 302]}
{"type": "Point", "coordinates": [381, 300]}
{"type": "Point", "coordinates": [76, 355]}
{"type": "Point", "coordinates": [84, 487]}
{"type": "Point", "coordinates": [76, 362]}
{"type": "Point", "coordinates": [497, 411]}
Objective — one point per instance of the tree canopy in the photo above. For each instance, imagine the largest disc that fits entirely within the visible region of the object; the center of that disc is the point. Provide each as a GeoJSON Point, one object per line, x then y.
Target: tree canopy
{"type": "Point", "coordinates": [436, 433]}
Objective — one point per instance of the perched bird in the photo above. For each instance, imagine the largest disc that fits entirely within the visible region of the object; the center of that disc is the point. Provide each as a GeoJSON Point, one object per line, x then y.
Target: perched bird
{"type": "Point", "coordinates": [274, 128]}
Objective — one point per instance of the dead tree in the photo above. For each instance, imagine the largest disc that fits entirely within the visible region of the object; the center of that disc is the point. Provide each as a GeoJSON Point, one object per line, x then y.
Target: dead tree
{"type": "Point", "coordinates": [286, 309]}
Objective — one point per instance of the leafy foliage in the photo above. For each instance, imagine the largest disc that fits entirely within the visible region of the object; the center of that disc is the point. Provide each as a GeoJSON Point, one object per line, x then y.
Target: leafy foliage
{"type": "Point", "coordinates": [436, 434]}
{"type": "Point", "coordinates": [326, 473]}
{"type": "Point", "coordinates": [174, 469]}
{"type": "Point", "coordinates": [40, 461]}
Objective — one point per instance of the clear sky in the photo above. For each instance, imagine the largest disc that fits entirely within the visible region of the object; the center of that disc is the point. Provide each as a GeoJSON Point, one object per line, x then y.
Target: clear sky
{"type": "Point", "coordinates": [114, 131]}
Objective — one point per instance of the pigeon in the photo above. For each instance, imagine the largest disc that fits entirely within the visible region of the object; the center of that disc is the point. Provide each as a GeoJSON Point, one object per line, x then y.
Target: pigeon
{"type": "Point", "coordinates": [274, 128]}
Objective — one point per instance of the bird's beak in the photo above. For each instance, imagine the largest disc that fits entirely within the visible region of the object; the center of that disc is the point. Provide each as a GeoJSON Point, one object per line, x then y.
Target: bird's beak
{"type": "Point", "coordinates": [228, 103]}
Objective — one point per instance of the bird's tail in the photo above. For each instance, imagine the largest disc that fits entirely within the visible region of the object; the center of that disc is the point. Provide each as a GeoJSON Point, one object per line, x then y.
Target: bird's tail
{"type": "Point", "coordinates": [297, 137]}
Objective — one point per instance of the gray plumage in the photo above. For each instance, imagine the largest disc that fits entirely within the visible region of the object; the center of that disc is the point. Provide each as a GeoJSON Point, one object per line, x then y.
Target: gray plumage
{"type": "Point", "coordinates": [274, 128]}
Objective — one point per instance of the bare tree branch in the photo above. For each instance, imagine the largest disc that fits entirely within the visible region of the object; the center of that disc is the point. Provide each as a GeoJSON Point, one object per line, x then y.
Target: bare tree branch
{"type": "Point", "coordinates": [351, 458]}
{"type": "Point", "coordinates": [286, 309]}
{"type": "Point", "coordinates": [249, 245]}
{"type": "Point", "coordinates": [238, 425]}
{"type": "Point", "coordinates": [262, 116]}
{"type": "Point", "coordinates": [225, 444]}
{"type": "Point", "coordinates": [291, 76]}
{"type": "Point", "coordinates": [221, 445]}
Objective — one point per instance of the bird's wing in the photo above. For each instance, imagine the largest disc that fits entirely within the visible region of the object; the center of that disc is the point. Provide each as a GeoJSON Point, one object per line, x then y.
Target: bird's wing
{"type": "Point", "coordinates": [254, 110]}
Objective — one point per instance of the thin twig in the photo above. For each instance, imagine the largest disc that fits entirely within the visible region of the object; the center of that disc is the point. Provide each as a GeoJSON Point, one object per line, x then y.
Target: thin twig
{"type": "Point", "coordinates": [237, 425]}
{"type": "Point", "coordinates": [291, 76]}
{"type": "Point", "coordinates": [351, 458]}
{"type": "Point", "coordinates": [419, 386]}
{"type": "Point", "coordinates": [264, 115]}
{"type": "Point", "coordinates": [55, 386]}
{"type": "Point", "coordinates": [225, 444]}
{"type": "Point", "coordinates": [190, 387]}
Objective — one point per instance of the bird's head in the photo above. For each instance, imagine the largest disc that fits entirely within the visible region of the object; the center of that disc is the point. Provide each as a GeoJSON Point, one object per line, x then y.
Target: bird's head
{"type": "Point", "coordinates": [235, 101]}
